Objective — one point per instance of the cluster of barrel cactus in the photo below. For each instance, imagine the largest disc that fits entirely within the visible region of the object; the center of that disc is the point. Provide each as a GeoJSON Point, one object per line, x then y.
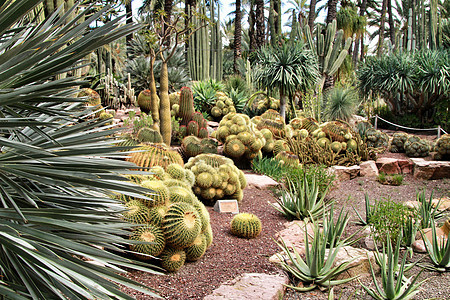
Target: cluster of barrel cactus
{"type": "Point", "coordinates": [246, 225]}
{"type": "Point", "coordinates": [273, 121]}
{"type": "Point", "coordinates": [398, 142]}
{"type": "Point", "coordinates": [192, 146]}
{"type": "Point", "coordinates": [223, 106]}
{"type": "Point", "coordinates": [416, 147]}
{"type": "Point", "coordinates": [171, 219]}
{"type": "Point", "coordinates": [154, 155]}
{"type": "Point", "coordinates": [266, 103]}
{"type": "Point", "coordinates": [92, 99]}
{"type": "Point", "coordinates": [303, 126]}
{"type": "Point", "coordinates": [376, 138]}
{"type": "Point", "coordinates": [442, 148]}
{"type": "Point", "coordinates": [216, 177]}
{"type": "Point", "coordinates": [240, 136]}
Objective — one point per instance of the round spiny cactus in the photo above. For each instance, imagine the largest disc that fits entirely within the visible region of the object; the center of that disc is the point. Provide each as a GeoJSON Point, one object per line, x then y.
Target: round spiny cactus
{"type": "Point", "coordinates": [136, 212]}
{"type": "Point", "coordinates": [159, 194]}
{"type": "Point", "coordinates": [149, 135]}
{"type": "Point", "coordinates": [172, 259]}
{"type": "Point", "coordinates": [175, 171]}
{"type": "Point", "coordinates": [234, 148]}
{"type": "Point", "coordinates": [398, 142]}
{"type": "Point", "coordinates": [154, 237]}
{"type": "Point", "coordinates": [181, 225]}
{"type": "Point", "coordinates": [195, 251]}
{"type": "Point", "coordinates": [144, 101]}
{"type": "Point", "coordinates": [156, 215]}
{"type": "Point", "coordinates": [208, 235]}
{"type": "Point", "coordinates": [246, 225]}
{"type": "Point", "coordinates": [180, 194]}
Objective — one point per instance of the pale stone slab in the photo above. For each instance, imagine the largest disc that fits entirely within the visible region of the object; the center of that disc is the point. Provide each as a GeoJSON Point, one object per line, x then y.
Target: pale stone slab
{"type": "Point", "coordinates": [294, 234]}
{"type": "Point", "coordinates": [368, 169]}
{"type": "Point", "coordinates": [430, 169]}
{"type": "Point", "coordinates": [345, 173]}
{"type": "Point", "coordinates": [260, 181]}
{"type": "Point", "coordinates": [251, 286]}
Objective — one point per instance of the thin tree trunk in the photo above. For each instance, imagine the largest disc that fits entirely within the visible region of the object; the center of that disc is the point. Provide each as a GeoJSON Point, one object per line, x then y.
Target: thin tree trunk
{"type": "Point", "coordinates": [129, 12]}
{"type": "Point", "coordinates": [381, 31]}
{"type": "Point", "coordinates": [251, 29]}
{"type": "Point", "coordinates": [259, 23]}
{"type": "Point", "coordinates": [237, 36]}
{"type": "Point", "coordinates": [360, 39]}
{"type": "Point", "coordinates": [332, 9]}
{"type": "Point", "coordinates": [168, 5]}
{"type": "Point", "coordinates": [391, 23]}
{"type": "Point", "coordinates": [312, 14]}
{"type": "Point", "coordinates": [282, 104]}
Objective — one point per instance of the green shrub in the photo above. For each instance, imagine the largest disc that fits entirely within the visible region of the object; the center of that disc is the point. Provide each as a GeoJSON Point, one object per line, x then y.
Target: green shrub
{"type": "Point", "coordinates": [397, 179]}
{"type": "Point", "coordinates": [317, 172]}
{"type": "Point", "coordinates": [388, 218]}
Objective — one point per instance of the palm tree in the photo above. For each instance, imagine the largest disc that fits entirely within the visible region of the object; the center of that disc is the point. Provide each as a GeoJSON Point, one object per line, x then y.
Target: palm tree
{"type": "Point", "coordinates": [312, 13]}
{"type": "Point", "coordinates": [237, 36]}
{"type": "Point", "coordinates": [287, 68]}
{"type": "Point", "coordinates": [381, 30]}
{"type": "Point", "coordinates": [332, 10]}
{"type": "Point", "coordinates": [259, 19]}
{"type": "Point", "coordinates": [56, 185]}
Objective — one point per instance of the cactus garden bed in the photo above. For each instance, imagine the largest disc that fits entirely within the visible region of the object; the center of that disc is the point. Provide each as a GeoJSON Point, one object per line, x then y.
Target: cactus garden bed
{"type": "Point", "coordinates": [230, 256]}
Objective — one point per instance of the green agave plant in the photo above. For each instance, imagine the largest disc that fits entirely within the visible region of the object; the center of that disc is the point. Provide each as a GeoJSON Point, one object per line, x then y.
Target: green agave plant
{"type": "Point", "coordinates": [369, 211]}
{"type": "Point", "coordinates": [427, 211]}
{"type": "Point", "coordinates": [56, 178]}
{"type": "Point", "coordinates": [439, 251]}
{"type": "Point", "coordinates": [301, 200]}
{"type": "Point", "coordinates": [393, 289]}
{"type": "Point", "coordinates": [317, 268]}
{"type": "Point", "coordinates": [333, 230]}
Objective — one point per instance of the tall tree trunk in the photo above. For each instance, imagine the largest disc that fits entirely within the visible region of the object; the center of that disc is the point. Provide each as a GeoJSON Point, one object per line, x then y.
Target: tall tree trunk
{"type": "Point", "coordinates": [251, 29]}
{"type": "Point", "coordinates": [259, 23]}
{"type": "Point", "coordinates": [129, 12]}
{"type": "Point", "coordinates": [359, 39]}
{"type": "Point", "coordinates": [332, 9]}
{"type": "Point", "coordinates": [381, 31]}
{"type": "Point", "coordinates": [312, 14]}
{"type": "Point", "coordinates": [237, 36]}
{"type": "Point", "coordinates": [168, 5]}
{"type": "Point", "coordinates": [164, 105]}
{"type": "Point", "coordinates": [391, 23]}
{"type": "Point", "coordinates": [283, 104]}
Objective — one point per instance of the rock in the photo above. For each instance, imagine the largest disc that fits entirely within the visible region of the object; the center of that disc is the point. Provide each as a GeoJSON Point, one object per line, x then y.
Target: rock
{"type": "Point", "coordinates": [355, 119]}
{"type": "Point", "coordinates": [345, 173]}
{"type": "Point", "coordinates": [444, 203]}
{"type": "Point", "coordinates": [213, 124]}
{"type": "Point", "coordinates": [388, 165]}
{"type": "Point", "coordinates": [251, 286]}
{"type": "Point", "coordinates": [360, 265]}
{"type": "Point", "coordinates": [406, 166]}
{"type": "Point", "coordinates": [441, 234]}
{"type": "Point", "coordinates": [370, 243]}
{"type": "Point", "coordinates": [412, 204]}
{"type": "Point", "coordinates": [368, 169]}
{"type": "Point", "coordinates": [430, 169]}
{"type": "Point", "coordinates": [260, 181]}
{"type": "Point", "coordinates": [419, 246]}
{"type": "Point", "coordinates": [294, 234]}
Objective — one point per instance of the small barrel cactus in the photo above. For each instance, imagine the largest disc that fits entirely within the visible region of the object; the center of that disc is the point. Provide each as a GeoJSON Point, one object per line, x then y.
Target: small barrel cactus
{"type": "Point", "coordinates": [416, 147]}
{"type": "Point", "coordinates": [246, 225]}
{"type": "Point", "coordinates": [443, 148]}
{"type": "Point", "coordinates": [398, 142]}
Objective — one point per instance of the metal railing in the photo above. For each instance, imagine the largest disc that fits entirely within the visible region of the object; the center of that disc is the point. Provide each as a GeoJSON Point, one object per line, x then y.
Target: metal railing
{"type": "Point", "coordinates": [439, 129]}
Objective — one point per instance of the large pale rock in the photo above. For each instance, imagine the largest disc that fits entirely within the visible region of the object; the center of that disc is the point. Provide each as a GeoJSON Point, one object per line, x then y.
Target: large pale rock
{"type": "Point", "coordinates": [360, 264]}
{"type": "Point", "coordinates": [251, 286]}
{"type": "Point", "coordinates": [388, 165]}
{"type": "Point", "coordinates": [368, 169]}
{"type": "Point", "coordinates": [441, 234]}
{"type": "Point", "coordinates": [260, 181]}
{"type": "Point", "coordinates": [294, 234]}
{"type": "Point", "coordinates": [444, 203]}
{"type": "Point", "coordinates": [430, 169]}
{"type": "Point", "coordinates": [406, 166]}
{"type": "Point", "coordinates": [345, 173]}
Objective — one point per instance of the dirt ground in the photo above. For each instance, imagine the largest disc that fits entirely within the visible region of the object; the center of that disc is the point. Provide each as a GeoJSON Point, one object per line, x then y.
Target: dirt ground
{"type": "Point", "coordinates": [230, 256]}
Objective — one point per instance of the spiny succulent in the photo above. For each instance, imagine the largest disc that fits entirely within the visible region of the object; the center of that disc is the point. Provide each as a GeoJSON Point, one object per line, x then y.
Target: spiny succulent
{"type": "Point", "coordinates": [197, 249]}
{"type": "Point", "coordinates": [151, 234]}
{"type": "Point", "coordinates": [175, 171]}
{"type": "Point", "coordinates": [159, 194]}
{"type": "Point", "coordinates": [181, 225]}
{"type": "Point", "coordinates": [246, 225]}
{"type": "Point", "coordinates": [172, 259]}
{"type": "Point", "coordinates": [136, 212]}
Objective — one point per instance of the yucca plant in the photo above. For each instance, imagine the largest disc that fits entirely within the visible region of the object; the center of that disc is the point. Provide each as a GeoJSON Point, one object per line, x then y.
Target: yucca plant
{"type": "Point", "coordinates": [394, 287]}
{"type": "Point", "coordinates": [333, 231]}
{"type": "Point", "coordinates": [341, 103]}
{"type": "Point", "coordinates": [317, 268]}
{"type": "Point", "coordinates": [427, 212]}
{"type": "Point", "coordinates": [56, 183]}
{"type": "Point", "coordinates": [439, 251]}
{"type": "Point", "coordinates": [300, 200]}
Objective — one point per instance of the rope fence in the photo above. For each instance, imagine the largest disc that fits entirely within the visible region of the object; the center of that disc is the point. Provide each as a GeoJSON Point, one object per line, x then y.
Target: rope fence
{"type": "Point", "coordinates": [439, 129]}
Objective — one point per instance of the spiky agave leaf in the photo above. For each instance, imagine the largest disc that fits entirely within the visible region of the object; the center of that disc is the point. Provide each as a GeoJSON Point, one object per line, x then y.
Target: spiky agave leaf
{"type": "Point", "coordinates": [56, 184]}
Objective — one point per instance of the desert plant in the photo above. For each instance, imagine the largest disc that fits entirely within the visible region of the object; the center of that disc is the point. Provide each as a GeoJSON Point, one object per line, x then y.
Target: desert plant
{"type": "Point", "coordinates": [55, 179]}
{"type": "Point", "coordinates": [397, 179]}
{"type": "Point", "coordinates": [438, 249]}
{"type": "Point", "coordinates": [301, 200]}
{"type": "Point", "coordinates": [205, 94]}
{"type": "Point", "coordinates": [246, 225]}
{"type": "Point", "coordinates": [382, 177]}
{"type": "Point", "coordinates": [319, 173]}
{"type": "Point", "coordinates": [341, 103]}
{"type": "Point", "coordinates": [392, 288]}
{"type": "Point", "coordinates": [426, 210]}
{"type": "Point", "coordinates": [333, 231]}
{"type": "Point", "coordinates": [369, 211]}
{"type": "Point", "coordinates": [317, 268]}
{"type": "Point", "coordinates": [268, 166]}
{"type": "Point", "coordinates": [388, 219]}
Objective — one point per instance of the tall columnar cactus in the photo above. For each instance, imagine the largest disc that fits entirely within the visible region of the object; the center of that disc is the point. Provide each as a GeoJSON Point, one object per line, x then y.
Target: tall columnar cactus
{"type": "Point", "coordinates": [186, 105]}
{"type": "Point", "coordinates": [164, 105]}
{"type": "Point", "coordinates": [328, 48]}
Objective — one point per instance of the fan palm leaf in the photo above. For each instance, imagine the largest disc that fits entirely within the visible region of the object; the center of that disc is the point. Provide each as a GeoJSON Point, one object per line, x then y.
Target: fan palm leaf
{"type": "Point", "coordinates": [57, 178]}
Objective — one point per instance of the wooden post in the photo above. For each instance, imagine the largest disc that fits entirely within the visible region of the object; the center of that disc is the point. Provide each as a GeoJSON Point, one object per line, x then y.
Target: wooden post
{"type": "Point", "coordinates": [376, 121]}
{"type": "Point", "coordinates": [439, 131]}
